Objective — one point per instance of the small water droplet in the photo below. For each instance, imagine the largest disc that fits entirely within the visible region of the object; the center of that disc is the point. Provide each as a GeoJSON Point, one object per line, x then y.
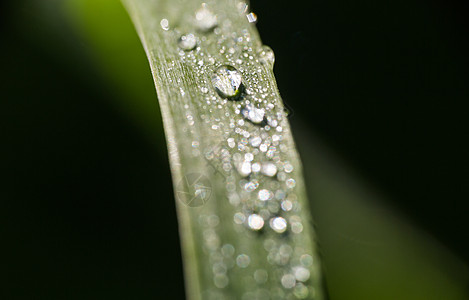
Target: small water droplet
{"type": "Point", "coordinates": [244, 168]}
{"type": "Point", "coordinates": [278, 224]}
{"type": "Point", "coordinates": [260, 276]}
{"type": "Point", "coordinates": [296, 227]}
{"type": "Point", "coordinates": [290, 183]}
{"type": "Point", "coordinates": [288, 281]}
{"type": "Point", "coordinates": [164, 24]}
{"type": "Point", "coordinates": [243, 261]}
{"type": "Point", "coordinates": [301, 291]}
{"type": "Point", "coordinates": [187, 42]}
{"type": "Point", "coordinates": [227, 81]}
{"type": "Point", "coordinates": [301, 273]}
{"type": "Point", "coordinates": [255, 222]}
{"type": "Point", "coordinates": [220, 280]}
{"type": "Point", "coordinates": [269, 169]}
{"type": "Point", "coordinates": [287, 205]}
{"type": "Point", "coordinates": [256, 167]}
{"type": "Point", "coordinates": [255, 141]}
{"type": "Point", "coordinates": [252, 17]}
{"type": "Point", "coordinates": [265, 195]}
{"type": "Point", "coordinates": [253, 114]}
{"type": "Point", "coordinates": [288, 168]}
{"type": "Point", "coordinates": [239, 218]}
{"type": "Point", "coordinates": [205, 19]}
{"type": "Point", "coordinates": [251, 186]}
{"type": "Point", "coordinates": [267, 56]}
{"type": "Point", "coordinates": [306, 260]}
{"type": "Point", "coordinates": [227, 250]}
{"type": "Point", "coordinates": [242, 7]}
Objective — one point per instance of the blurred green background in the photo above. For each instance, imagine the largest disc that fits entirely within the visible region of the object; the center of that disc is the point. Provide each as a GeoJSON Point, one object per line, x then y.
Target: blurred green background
{"type": "Point", "coordinates": [378, 91]}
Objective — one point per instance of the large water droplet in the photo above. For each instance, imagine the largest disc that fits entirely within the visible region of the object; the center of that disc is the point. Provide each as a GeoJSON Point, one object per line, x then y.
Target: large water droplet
{"type": "Point", "coordinates": [187, 42]}
{"type": "Point", "coordinates": [227, 81]}
{"type": "Point", "coordinates": [205, 19]}
{"type": "Point", "coordinates": [267, 56]}
{"type": "Point", "coordinates": [253, 114]}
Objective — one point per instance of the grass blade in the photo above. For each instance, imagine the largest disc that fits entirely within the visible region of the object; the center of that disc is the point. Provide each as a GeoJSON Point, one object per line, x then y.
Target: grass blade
{"type": "Point", "coordinates": [244, 220]}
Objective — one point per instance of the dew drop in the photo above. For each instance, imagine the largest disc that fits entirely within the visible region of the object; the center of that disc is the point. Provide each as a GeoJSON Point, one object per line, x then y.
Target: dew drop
{"type": "Point", "coordinates": [265, 195]}
{"type": "Point", "coordinates": [244, 168]}
{"type": "Point", "coordinates": [290, 183]}
{"type": "Point", "coordinates": [227, 250]}
{"type": "Point", "coordinates": [256, 167]}
{"type": "Point", "coordinates": [187, 42]}
{"type": "Point", "coordinates": [288, 168]}
{"type": "Point", "coordinates": [164, 23]}
{"type": "Point", "coordinates": [287, 205]}
{"type": "Point", "coordinates": [301, 274]}
{"type": "Point", "coordinates": [266, 55]}
{"type": "Point", "coordinates": [252, 17]}
{"type": "Point", "coordinates": [269, 169]}
{"type": "Point", "coordinates": [255, 222]}
{"type": "Point", "coordinates": [239, 218]}
{"type": "Point", "coordinates": [306, 260]}
{"type": "Point", "coordinates": [253, 114]}
{"type": "Point", "coordinates": [260, 276]}
{"type": "Point", "coordinates": [251, 186]}
{"type": "Point", "coordinates": [205, 19]}
{"type": "Point", "coordinates": [288, 281]}
{"type": "Point", "coordinates": [221, 281]}
{"type": "Point", "coordinates": [227, 81]}
{"type": "Point", "coordinates": [243, 261]}
{"type": "Point", "coordinates": [301, 291]}
{"type": "Point", "coordinates": [278, 224]}
{"type": "Point", "coordinates": [242, 7]}
{"type": "Point", "coordinates": [255, 141]}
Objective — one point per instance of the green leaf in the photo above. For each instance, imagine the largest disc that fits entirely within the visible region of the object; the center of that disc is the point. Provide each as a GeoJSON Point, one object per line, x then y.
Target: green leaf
{"type": "Point", "coordinates": [245, 232]}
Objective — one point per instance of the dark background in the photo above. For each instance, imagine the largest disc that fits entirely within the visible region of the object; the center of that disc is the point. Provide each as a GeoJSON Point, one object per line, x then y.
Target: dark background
{"type": "Point", "coordinates": [387, 84]}
{"type": "Point", "coordinates": [384, 83]}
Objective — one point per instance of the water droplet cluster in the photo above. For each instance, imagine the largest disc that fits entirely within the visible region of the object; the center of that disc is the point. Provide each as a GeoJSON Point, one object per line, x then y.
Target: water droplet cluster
{"type": "Point", "coordinates": [255, 235]}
